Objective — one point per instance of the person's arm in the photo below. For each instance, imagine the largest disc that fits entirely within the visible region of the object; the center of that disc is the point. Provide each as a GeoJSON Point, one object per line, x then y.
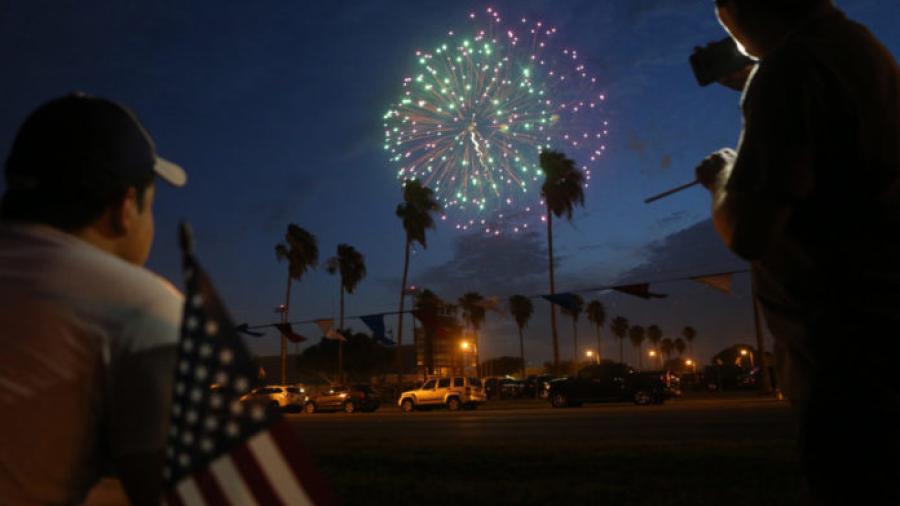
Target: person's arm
{"type": "Point", "coordinates": [747, 223]}
{"type": "Point", "coordinates": [755, 189]}
{"type": "Point", "coordinates": [140, 412]}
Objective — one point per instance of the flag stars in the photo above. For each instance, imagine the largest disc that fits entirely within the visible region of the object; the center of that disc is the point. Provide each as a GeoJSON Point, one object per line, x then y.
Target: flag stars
{"type": "Point", "coordinates": [197, 301]}
{"type": "Point", "coordinates": [215, 401]}
{"type": "Point", "coordinates": [201, 373]}
{"type": "Point", "coordinates": [207, 445]}
{"type": "Point", "coordinates": [191, 417]}
{"type": "Point", "coordinates": [184, 460]}
{"type": "Point", "coordinates": [191, 323]}
{"type": "Point", "coordinates": [236, 408]}
{"type": "Point", "coordinates": [241, 385]}
{"type": "Point", "coordinates": [226, 356]}
{"type": "Point", "coordinates": [232, 429]}
{"type": "Point", "coordinates": [196, 395]}
{"type": "Point", "coordinates": [176, 411]}
{"type": "Point", "coordinates": [187, 438]}
{"type": "Point", "coordinates": [211, 423]}
{"type": "Point", "coordinates": [257, 413]}
{"type": "Point", "coordinates": [205, 351]}
{"type": "Point", "coordinates": [222, 378]}
{"type": "Point", "coordinates": [184, 366]}
{"type": "Point", "coordinates": [211, 328]}
{"type": "Point", "coordinates": [187, 345]}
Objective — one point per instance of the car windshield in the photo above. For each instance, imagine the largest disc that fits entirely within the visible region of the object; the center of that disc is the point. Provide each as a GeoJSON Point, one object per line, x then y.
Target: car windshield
{"type": "Point", "coordinates": [475, 382]}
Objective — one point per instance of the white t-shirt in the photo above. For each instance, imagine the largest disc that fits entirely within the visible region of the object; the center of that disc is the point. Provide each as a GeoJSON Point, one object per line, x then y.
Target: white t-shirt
{"type": "Point", "coordinates": [87, 353]}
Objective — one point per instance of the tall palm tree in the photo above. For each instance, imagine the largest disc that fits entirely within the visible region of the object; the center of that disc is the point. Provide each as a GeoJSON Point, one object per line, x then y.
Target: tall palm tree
{"type": "Point", "coordinates": [416, 214]}
{"type": "Point", "coordinates": [619, 328]}
{"type": "Point", "coordinates": [679, 345]}
{"type": "Point", "coordinates": [562, 190]}
{"type": "Point", "coordinates": [301, 251]}
{"type": "Point", "coordinates": [689, 333]}
{"type": "Point", "coordinates": [473, 314]}
{"type": "Point", "coordinates": [666, 346]}
{"type": "Point", "coordinates": [521, 309]}
{"type": "Point", "coordinates": [352, 267]}
{"type": "Point", "coordinates": [596, 314]}
{"type": "Point", "coordinates": [575, 311]}
{"type": "Point", "coordinates": [654, 334]}
{"type": "Point", "coordinates": [636, 334]}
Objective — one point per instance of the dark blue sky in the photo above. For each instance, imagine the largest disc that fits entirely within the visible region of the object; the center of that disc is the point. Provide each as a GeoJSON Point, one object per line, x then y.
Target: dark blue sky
{"type": "Point", "coordinates": [275, 107]}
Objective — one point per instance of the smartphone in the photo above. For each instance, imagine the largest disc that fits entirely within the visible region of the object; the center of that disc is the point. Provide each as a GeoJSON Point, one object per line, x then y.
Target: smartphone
{"type": "Point", "coordinates": [717, 60]}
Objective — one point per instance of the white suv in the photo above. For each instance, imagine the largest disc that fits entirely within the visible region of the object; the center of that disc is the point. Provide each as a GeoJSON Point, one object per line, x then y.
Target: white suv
{"type": "Point", "coordinates": [454, 393]}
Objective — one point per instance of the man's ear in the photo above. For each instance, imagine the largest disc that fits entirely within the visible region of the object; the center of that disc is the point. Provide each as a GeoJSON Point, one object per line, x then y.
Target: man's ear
{"type": "Point", "coordinates": [124, 212]}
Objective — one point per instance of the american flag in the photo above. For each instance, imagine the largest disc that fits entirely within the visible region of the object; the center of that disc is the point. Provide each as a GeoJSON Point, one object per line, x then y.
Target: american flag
{"type": "Point", "coordinates": [221, 450]}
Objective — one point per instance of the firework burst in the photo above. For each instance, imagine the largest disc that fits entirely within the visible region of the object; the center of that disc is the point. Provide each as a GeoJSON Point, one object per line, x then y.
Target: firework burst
{"type": "Point", "coordinates": [478, 110]}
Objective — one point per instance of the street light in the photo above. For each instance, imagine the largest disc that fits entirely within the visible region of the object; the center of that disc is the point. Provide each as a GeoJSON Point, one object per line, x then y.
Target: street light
{"type": "Point", "coordinates": [464, 345]}
{"type": "Point", "coordinates": [590, 356]}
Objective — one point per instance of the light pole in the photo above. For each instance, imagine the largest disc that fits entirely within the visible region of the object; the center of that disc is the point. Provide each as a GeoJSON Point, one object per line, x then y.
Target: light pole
{"type": "Point", "coordinates": [590, 355]}
{"type": "Point", "coordinates": [653, 354]}
{"type": "Point", "coordinates": [464, 348]}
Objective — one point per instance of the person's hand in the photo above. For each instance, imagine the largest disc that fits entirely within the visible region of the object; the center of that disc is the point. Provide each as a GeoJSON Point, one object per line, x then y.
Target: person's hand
{"type": "Point", "coordinates": [708, 170]}
{"type": "Point", "coordinates": [738, 79]}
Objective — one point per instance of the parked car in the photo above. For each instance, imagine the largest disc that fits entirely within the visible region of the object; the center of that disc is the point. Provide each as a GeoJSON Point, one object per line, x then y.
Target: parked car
{"type": "Point", "coordinates": [454, 393]}
{"type": "Point", "coordinates": [285, 397]}
{"type": "Point", "coordinates": [612, 382]}
{"type": "Point", "coordinates": [343, 398]}
{"type": "Point", "coordinates": [536, 386]}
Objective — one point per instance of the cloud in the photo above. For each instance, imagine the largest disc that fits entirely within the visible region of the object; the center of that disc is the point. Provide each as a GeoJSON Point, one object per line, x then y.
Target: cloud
{"type": "Point", "coordinates": [513, 263]}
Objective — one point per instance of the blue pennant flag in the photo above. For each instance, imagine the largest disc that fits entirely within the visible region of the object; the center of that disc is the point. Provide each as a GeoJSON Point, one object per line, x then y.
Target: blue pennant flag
{"type": "Point", "coordinates": [564, 300]}
{"type": "Point", "coordinates": [375, 322]}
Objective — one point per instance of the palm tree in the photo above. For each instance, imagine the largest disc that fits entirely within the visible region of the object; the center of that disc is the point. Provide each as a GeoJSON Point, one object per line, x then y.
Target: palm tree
{"type": "Point", "coordinates": [575, 312]}
{"type": "Point", "coordinates": [563, 188]}
{"type": "Point", "coordinates": [689, 333]}
{"type": "Point", "coordinates": [521, 309]}
{"type": "Point", "coordinates": [416, 214]}
{"type": "Point", "coordinates": [619, 328]}
{"type": "Point", "coordinates": [301, 251]}
{"type": "Point", "coordinates": [636, 335]}
{"type": "Point", "coordinates": [473, 314]}
{"type": "Point", "coordinates": [352, 267]}
{"type": "Point", "coordinates": [428, 308]}
{"type": "Point", "coordinates": [654, 334]}
{"type": "Point", "coordinates": [679, 345]}
{"type": "Point", "coordinates": [666, 346]}
{"type": "Point", "coordinates": [596, 314]}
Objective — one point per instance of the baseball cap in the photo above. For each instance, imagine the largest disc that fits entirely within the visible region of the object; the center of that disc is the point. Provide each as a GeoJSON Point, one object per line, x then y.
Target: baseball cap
{"type": "Point", "coordinates": [80, 134]}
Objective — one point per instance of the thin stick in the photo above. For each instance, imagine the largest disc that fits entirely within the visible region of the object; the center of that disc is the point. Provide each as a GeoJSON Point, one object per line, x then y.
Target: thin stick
{"type": "Point", "coordinates": [670, 192]}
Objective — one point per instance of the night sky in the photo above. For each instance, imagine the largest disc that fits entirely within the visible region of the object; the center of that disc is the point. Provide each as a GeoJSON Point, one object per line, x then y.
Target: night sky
{"type": "Point", "coordinates": [275, 110]}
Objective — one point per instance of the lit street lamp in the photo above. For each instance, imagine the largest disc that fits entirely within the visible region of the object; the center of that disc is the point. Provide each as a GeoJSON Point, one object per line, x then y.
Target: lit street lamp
{"type": "Point", "coordinates": [590, 356]}
{"type": "Point", "coordinates": [746, 353]}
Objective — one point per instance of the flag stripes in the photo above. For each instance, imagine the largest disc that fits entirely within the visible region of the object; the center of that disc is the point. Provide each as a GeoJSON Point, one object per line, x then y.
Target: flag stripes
{"type": "Point", "coordinates": [276, 469]}
{"type": "Point", "coordinates": [231, 482]}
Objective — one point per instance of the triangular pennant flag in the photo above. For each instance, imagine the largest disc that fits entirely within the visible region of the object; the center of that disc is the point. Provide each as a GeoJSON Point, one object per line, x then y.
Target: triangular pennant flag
{"type": "Point", "coordinates": [245, 329]}
{"type": "Point", "coordinates": [375, 323]}
{"type": "Point", "coordinates": [288, 332]}
{"type": "Point", "coordinates": [721, 282]}
{"type": "Point", "coordinates": [325, 325]}
{"type": "Point", "coordinates": [566, 300]}
{"type": "Point", "coordinates": [641, 290]}
{"type": "Point", "coordinates": [335, 335]}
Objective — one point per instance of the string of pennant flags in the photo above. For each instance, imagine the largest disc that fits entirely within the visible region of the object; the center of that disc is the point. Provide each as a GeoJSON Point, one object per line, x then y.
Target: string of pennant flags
{"type": "Point", "coordinates": [720, 281]}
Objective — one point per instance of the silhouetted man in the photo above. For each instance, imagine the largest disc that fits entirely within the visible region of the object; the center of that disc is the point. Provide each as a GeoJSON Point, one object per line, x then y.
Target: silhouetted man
{"type": "Point", "coordinates": [811, 197]}
{"type": "Point", "coordinates": [87, 334]}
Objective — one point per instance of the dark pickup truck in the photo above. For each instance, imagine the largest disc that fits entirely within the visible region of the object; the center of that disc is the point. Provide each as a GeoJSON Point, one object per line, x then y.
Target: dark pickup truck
{"type": "Point", "coordinates": [612, 382]}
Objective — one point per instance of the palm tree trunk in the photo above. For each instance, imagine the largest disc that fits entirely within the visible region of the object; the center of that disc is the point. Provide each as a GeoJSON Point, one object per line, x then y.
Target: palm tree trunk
{"type": "Point", "coordinates": [575, 338]}
{"type": "Point", "coordinates": [552, 292]}
{"type": "Point", "coordinates": [522, 352]}
{"type": "Point", "coordinates": [399, 357]}
{"type": "Point", "coordinates": [477, 349]}
{"type": "Point", "coordinates": [640, 357]}
{"type": "Point", "coordinates": [599, 343]}
{"type": "Point", "coordinates": [621, 350]}
{"type": "Point", "coordinates": [284, 319]}
{"type": "Point", "coordinates": [341, 342]}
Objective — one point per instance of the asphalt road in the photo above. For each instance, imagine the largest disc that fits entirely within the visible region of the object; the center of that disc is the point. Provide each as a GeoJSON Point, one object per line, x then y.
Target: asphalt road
{"type": "Point", "coordinates": [746, 418]}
